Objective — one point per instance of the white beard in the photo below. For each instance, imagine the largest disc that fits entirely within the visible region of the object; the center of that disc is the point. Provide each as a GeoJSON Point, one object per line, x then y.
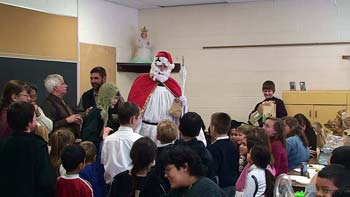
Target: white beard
{"type": "Point", "coordinates": [157, 75]}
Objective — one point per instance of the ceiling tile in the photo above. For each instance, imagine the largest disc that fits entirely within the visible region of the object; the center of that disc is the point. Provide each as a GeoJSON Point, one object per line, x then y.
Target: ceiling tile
{"type": "Point", "coordinates": [147, 4]}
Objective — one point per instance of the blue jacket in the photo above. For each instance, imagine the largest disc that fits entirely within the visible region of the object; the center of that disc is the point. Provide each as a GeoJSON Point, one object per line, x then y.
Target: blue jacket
{"type": "Point", "coordinates": [296, 152]}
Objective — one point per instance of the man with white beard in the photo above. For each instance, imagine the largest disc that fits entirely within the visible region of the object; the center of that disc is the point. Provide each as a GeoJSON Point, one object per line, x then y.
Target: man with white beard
{"type": "Point", "coordinates": [155, 94]}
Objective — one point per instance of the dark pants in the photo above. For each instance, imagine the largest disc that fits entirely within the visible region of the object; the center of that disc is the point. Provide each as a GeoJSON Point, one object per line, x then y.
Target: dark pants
{"type": "Point", "coordinates": [230, 191]}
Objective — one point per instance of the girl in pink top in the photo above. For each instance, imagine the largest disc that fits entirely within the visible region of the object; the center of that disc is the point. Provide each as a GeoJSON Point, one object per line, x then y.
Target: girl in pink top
{"type": "Point", "coordinates": [258, 138]}
{"type": "Point", "coordinates": [274, 128]}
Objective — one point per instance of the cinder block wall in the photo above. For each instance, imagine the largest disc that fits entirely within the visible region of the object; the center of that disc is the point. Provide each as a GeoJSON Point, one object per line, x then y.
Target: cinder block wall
{"type": "Point", "coordinates": [230, 80]}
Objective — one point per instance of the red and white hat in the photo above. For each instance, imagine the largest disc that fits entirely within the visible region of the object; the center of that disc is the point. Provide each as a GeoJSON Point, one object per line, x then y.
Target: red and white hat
{"type": "Point", "coordinates": [165, 58]}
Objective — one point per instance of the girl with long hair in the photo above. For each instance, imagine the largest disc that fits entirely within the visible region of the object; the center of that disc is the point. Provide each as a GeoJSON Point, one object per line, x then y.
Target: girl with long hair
{"type": "Point", "coordinates": [274, 128]}
{"type": "Point", "coordinates": [242, 132]}
{"type": "Point", "coordinates": [137, 181]}
{"type": "Point", "coordinates": [58, 141]}
{"type": "Point", "coordinates": [297, 144]}
{"type": "Point", "coordinates": [14, 90]}
{"type": "Point", "coordinates": [259, 180]}
{"type": "Point", "coordinates": [308, 130]}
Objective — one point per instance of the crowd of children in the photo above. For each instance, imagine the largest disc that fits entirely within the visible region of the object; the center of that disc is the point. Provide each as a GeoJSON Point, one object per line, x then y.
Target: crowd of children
{"type": "Point", "coordinates": [238, 160]}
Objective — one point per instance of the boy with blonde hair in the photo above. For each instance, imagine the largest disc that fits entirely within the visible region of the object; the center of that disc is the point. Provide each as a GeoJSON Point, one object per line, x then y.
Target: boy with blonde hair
{"type": "Point", "coordinates": [167, 132]}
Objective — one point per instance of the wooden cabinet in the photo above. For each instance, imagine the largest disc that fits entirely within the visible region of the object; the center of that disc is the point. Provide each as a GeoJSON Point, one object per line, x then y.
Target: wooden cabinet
{"type": "Point", "coordinates": [317, 106]}
{"type": "Point", "coordinates": [307, 110]}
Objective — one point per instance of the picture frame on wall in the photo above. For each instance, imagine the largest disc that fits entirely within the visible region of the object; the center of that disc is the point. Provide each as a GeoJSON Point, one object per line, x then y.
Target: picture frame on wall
{"type": "Point", "coordinates": [302, 85]}
{"type": "Point", "coordinates": [292, 86]}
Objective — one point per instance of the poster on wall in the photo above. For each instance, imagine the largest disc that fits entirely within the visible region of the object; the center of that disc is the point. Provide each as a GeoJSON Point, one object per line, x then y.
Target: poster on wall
{"type": "Point", "coordinates": [302, 86]}
{"type": "Point", "coordinates": [292, 86]}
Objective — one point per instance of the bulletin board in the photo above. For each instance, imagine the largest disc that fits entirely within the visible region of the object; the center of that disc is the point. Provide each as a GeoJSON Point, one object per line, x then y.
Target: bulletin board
{"type": "Point", "coordinates": [34, 44]}
{"type": "Point", "coordinates": [96, 55]}
{"type": "Point", "coordinates": [37, 34]}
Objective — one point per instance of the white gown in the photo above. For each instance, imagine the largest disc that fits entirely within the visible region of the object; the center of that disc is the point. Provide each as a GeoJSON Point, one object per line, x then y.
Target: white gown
{"type": "Point", "coordinates": [156, 110]}
{"type": "Point", "coordinates": [143, 53]}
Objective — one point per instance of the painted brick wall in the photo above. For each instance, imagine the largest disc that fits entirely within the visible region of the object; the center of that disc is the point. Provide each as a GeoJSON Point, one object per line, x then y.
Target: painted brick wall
{"type": "Point", "coordinates": [230, 80]}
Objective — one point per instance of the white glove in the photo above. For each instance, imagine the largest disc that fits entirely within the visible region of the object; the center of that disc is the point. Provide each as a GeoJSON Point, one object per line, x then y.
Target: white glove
{"type": "Point", "coordinates": [183, 100]}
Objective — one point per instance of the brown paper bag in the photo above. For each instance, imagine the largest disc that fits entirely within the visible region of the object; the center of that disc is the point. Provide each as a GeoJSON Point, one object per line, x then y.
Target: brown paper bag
{"type": "Point", "coordinates": [269, 109]}
{"type": "Point", "coordinates": [176, 108]}
{"type": "Point", "coordinates": [254, 117]}
{"type": "Point", "coordinates": [346, 123]}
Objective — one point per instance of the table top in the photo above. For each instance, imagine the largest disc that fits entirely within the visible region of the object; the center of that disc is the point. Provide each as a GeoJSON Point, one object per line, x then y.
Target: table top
{"type": "Point", "coordinates": [312, 170]}
{"type": "Point", "coordinates": [296, 184]}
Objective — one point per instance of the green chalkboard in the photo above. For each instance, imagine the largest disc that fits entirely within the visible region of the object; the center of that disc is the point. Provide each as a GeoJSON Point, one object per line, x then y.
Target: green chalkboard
{"type": "Point", "coordinates": [35, 71]}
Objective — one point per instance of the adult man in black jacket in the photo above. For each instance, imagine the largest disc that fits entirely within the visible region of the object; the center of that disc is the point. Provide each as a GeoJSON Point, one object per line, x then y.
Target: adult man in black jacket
{"type": "Point", "coordinates": [97, 78]}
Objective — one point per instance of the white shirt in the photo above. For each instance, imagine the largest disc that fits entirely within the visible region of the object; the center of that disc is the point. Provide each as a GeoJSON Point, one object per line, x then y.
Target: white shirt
{"type": "Point", "coordinates": [115, 155]}
{"type": "Point", "coordinates": [164, 145]}
{"type": "Point", "coordinates": [44, 121]}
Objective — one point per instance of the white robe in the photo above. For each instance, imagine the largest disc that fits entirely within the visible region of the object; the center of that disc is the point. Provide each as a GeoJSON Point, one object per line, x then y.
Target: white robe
{"type": "Point", "coordinates": [156, 110]}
